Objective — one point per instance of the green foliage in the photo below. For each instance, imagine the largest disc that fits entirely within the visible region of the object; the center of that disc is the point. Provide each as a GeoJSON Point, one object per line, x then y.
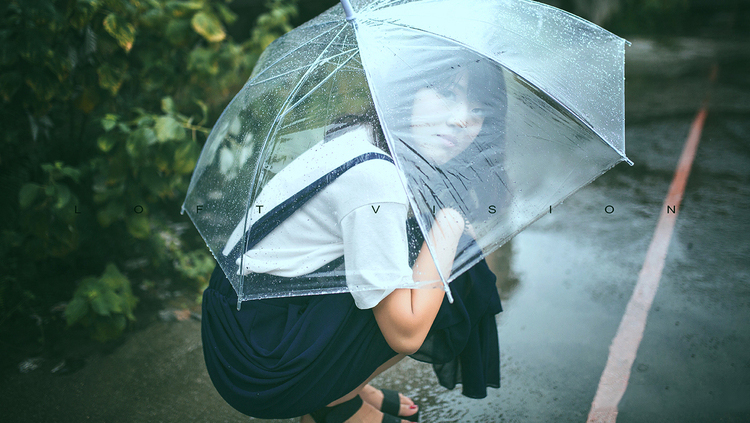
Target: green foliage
{"type": "Point", "coordinates": [144, 160]}
{"type": "Point", "coordinates": [103, 304]}
{"type": "Point", "coordinates": [274, 24]}
{"type": "Point", "coordinates": [195, 265]}
{"type": "Point", "coordinates": [49, 213]}
{"type": "Point", "coordinates": [105, 105]}
{"type": "Point", "coordinates": [653, 17]}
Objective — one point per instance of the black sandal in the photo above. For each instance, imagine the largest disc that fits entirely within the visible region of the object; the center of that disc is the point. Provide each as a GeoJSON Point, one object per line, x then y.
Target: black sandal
{"type": "Point", "coordinates": [342, 412]}
{"type": "Point", "coordinates": [392, 405]}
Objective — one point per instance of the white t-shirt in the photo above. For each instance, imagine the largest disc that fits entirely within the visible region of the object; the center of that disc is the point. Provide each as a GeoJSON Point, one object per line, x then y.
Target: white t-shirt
{"type": "Point", "coordinates": [361, 215]}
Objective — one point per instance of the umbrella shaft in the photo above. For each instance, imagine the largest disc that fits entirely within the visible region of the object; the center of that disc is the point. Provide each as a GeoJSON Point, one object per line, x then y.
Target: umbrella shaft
{"type": "Point", "coordinates": [348, 10]}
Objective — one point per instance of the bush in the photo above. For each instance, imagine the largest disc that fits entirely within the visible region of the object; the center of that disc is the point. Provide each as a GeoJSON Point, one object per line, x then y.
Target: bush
{"type": "Point", "coordinates": [105, 106]}
{"type": "Point", "coordinates": [104, 304]}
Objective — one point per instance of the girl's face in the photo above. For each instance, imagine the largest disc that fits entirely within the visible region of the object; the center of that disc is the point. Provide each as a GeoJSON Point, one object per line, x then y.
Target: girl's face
{"type": "Point", "coordinates": [445, 121]}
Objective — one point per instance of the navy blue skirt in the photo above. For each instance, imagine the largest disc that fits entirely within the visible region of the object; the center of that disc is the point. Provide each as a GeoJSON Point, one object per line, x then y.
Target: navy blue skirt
{"type": "Point", "coordinates": [286, 357]}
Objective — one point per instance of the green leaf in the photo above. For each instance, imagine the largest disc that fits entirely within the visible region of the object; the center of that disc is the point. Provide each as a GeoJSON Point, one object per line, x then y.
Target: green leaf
{"type": "Point", "coordinates": [70, 172]}
{"type": "Point", "coordinates": [109, 121]}
{"type": "Point", "coordinates": [138, 226]}
{"type": "Point", "coordinates": [110, 77]}
{"type": "Point", "coordinates": [138, 140]}
{"type": "Point", "coordinates": [185, 157]}
{"type": "Point", "coordinates": [153, 17]}
{"type": "Point", "coordinates": [63, 196]}
{"type": "Point", "coordinates": [180, 8]}
{"type": "Point", "coordinates": [178, 32]}
{"type": "Point", "coordinates": [106, 142]}
{"type": "Point", "coordinates": [113, 301]}
{"type": "Point", "coordinates": [135, 145]}
{"type": "Point", "coordinates": [167, 105]}
{"type": "Point", "coordinates": [99, 305]}
{"type": "Point", "coordinates": [122, 30]}
{"type": "Point", "coordinates": [226, 13]}
{"type": "Point", "coordinates": [208, 25]}
{"type": "Point", "coordinates": [83, 13]}
{"type": "Point", "coordinates": [167, 128]}
{"type": "Point", "coordinates": [132, 300]}
{"type": "Point", "coordinates": [145, 118]}
{"type": "Point", "coordinates": [147, 134]}
{"type": "Point", "coordinates": [112, 277]}
{"type": "Point", "coordinates": [203, 60]}
{"type": "Point", "coordinates": [28, 194]}
{"type": "Point", "coordinates": [76, 310]}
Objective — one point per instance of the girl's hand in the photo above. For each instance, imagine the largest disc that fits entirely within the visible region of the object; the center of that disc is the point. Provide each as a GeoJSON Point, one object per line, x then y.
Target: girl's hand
{"type": "Point", "coordinates": [445, 233]}
{"type": "Point", "coordinates": [450, 222]}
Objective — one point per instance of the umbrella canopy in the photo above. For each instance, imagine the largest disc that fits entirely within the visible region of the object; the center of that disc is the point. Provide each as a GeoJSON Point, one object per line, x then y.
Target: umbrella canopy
{"type": "Point", "coordinates": [543, 89]}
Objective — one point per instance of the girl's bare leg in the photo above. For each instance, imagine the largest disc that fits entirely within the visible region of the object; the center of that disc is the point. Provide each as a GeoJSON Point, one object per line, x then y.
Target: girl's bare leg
{"type": "Point", "coordinates": [383, 367]}
{"type": "Point", "coordinates": [367, 412]}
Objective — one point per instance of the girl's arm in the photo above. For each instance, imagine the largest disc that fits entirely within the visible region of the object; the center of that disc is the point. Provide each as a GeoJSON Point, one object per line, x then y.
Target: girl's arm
{"type": "Point", "coordinates": [406, 315]}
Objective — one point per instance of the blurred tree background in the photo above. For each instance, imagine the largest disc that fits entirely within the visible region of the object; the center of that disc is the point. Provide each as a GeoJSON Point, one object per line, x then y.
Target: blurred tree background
{"type": "Point", "coordinates": [664, 18]}
{"type": "Point", "coordinates": [105, 107]}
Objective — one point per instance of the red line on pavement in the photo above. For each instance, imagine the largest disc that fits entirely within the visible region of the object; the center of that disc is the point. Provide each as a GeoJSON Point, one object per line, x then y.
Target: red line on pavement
{"type": "Point", "coordinates": [625, 344]}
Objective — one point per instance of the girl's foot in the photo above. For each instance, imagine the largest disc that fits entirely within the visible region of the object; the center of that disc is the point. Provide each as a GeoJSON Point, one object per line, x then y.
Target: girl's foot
{"type": "Point", "coordinates": [365, 414]}
{"type": "Point", "coordinates": [374, 397]}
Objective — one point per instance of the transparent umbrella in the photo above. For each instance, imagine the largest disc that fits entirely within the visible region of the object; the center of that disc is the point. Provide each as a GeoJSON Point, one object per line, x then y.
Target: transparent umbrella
{"type": "Point", "coordinates": [544, 90]}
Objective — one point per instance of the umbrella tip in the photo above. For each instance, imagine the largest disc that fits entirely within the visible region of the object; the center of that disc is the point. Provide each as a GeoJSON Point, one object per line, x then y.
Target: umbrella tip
{"type": "Point", "coordinates": [347, 10]}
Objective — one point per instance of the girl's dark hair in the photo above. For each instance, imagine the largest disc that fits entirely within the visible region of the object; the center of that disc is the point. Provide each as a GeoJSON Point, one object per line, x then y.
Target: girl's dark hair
{"type": "Point", "coordinates": [347, 122]}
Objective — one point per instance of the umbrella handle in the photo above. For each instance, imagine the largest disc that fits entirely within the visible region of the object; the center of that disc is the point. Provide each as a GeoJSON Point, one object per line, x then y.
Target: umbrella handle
{"type": "Point", "coordinates": [348, 10]}
{"type": "Point", "coordinates": [448, 292]}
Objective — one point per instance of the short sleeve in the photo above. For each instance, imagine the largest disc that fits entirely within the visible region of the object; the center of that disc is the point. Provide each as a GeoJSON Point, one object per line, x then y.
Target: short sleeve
{"type": "Point", "coordinates": [375, 252]}
{"type": "Point", "coordinates": [372, 182]}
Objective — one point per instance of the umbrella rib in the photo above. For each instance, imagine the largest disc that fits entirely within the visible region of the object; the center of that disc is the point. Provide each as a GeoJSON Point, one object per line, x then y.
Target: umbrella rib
{"type": "Point", "coordinates": [271, 78]}
{"type": "Point", "coordinates": [292, 51]}
{"type": "Point", "coordinates": [285, 105]}
{"type": "Point", "coordinates": [313, 89]}
{"type": "Point", "coordinates": [330, 90]}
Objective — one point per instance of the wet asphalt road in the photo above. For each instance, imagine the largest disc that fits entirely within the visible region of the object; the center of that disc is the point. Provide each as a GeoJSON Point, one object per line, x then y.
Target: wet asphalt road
{"type": "Point", "coordinates": [565, 283]}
